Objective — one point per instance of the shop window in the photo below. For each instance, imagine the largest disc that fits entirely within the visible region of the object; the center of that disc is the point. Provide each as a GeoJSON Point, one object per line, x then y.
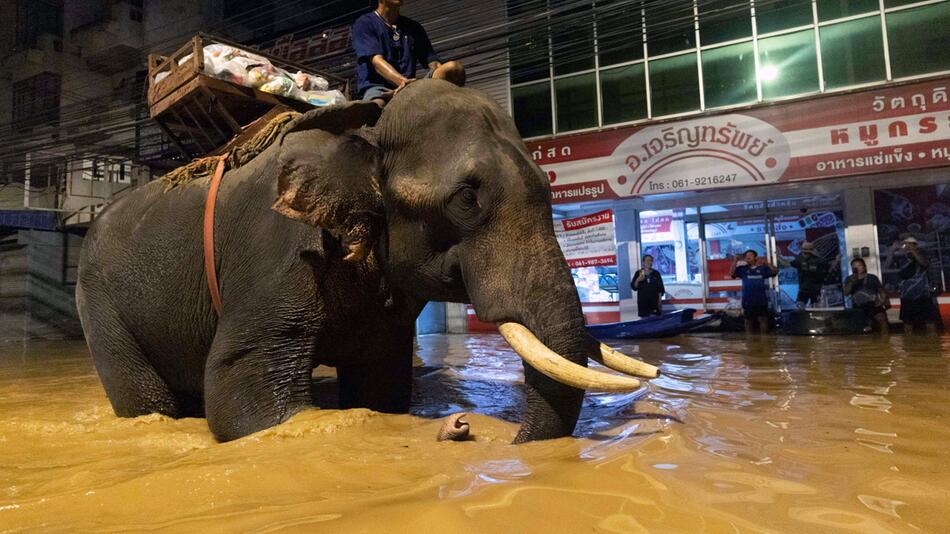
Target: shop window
{"type": "Point", "coordinates": [588, 242]}
{"type": "Point", "coordinates": [531, 106]}
{"type": "Point", "coordinates": [723, 20]}
{"type": "Point", "coordinates": [729, 75]}
{"type": "Point", "coordinates": [669, 27]}
{"type": "Point", "coordinates": [782, 15]}
{"type": "Point", "coordinates": [619, 32]}
{"type": "Point", "coordinates": [576, 102]}
{"type": "Point", "coordinates": [528, 47]}
{"type": "Point", "coordinates": [674, 85]}
{"type": "Point", "coordinates": [836, 9]}
{"type": "Point", "coordinates": [673, 241]}
{"type": "Point", "coordinates": [825, 230]}
{"type": "Point", "coordinates": [725, 239]}
{"type": "Point", "coordinates": [596, 284]}
{"type": "Point", "coordinates": [922, 213]}
{"type": "Point", "coordinates": [572, 40]}
{"type": "Point", "coordinates": [914, 49]}
{"type": "Point", "coordinates": [623, 93]}
{"type": "Point", "coordinates": [788, 64]}
{"type": "Point", "coordinates": [852, 52]}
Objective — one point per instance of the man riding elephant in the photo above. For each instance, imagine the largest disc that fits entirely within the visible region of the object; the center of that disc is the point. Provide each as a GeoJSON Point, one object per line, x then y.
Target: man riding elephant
{"type": "Point", "coordinates": [366, 228]}
{"type": "Point", "coordinates": [388, 47]}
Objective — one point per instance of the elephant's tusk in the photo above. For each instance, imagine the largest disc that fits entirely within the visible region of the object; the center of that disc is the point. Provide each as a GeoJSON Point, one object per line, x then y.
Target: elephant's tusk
{"type": "Point", "coordinates": [555, 366]}
{"type": "Point", "coordinates": [619, 361]}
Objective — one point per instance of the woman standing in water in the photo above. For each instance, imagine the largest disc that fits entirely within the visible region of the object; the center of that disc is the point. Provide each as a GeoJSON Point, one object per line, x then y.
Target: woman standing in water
{"type": "Point", "coordinates": [867, 294]}
{"type": "Point", "coordinates": [648, 284]}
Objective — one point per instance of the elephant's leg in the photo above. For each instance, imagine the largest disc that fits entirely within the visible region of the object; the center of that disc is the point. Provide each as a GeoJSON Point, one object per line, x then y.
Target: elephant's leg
{"type": "Point", "coordinates": [253, 384]}
{"type": "Point", "coordinates": [133, 386]}
{"type": "Point", "coordinates": [384, 385]}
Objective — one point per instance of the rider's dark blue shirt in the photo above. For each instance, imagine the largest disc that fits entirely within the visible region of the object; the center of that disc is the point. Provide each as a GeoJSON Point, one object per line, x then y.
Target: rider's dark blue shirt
{"type": "Point", "coordinates": [372, 37]}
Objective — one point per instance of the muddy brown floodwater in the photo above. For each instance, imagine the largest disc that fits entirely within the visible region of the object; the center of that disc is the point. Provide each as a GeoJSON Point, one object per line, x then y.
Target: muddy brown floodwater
{"type": "Point", "coordinates": [761, 435]}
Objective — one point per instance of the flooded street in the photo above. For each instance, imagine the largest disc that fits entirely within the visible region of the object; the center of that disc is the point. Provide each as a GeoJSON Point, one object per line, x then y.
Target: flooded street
{"type": "Point", "coordinates": [770, 434]}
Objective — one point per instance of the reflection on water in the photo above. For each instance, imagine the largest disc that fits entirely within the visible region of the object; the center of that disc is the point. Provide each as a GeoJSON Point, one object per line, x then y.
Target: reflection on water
{"type": "Point", "coordinates": [765, 434]}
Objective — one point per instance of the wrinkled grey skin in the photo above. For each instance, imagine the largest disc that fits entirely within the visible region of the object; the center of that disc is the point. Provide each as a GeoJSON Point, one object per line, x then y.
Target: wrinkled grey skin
{"type": "Point", "coordinates": [442, 195]}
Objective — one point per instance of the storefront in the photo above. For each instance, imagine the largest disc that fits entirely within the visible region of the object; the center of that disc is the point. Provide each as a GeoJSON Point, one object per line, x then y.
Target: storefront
{"type": "Point", "coordinates": [853, 173]}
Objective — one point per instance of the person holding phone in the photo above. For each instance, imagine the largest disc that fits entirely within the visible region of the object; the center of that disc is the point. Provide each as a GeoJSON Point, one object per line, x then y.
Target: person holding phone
{"type": "Point", "coordinates": [754, 273]}
{"type": "Point", "coordinates": [812, 271]}
{"type": "Point", "coordinates": [648, 284]}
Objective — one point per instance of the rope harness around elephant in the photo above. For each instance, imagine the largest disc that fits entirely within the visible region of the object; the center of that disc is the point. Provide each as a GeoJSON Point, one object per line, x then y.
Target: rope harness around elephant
{"type": "Point", "coordinates": [211, 271]}
{"type": "Point", "coordinates": [215, 167]}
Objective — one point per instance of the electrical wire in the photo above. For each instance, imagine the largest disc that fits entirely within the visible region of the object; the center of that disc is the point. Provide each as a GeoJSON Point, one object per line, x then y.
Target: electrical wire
{"type": "Point", "coordinates": [488, 48]}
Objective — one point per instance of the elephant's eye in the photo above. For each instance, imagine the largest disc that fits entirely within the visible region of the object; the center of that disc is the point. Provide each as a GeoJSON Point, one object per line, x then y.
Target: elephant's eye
{"type": "Point", "coordinates": [468, 196]}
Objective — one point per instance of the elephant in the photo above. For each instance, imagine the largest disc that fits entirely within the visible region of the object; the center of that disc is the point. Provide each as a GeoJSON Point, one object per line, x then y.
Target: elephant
{"type": "Point", "coordinates": [327, 245]}
{"type": "Point", "coordinates": [454, 428]}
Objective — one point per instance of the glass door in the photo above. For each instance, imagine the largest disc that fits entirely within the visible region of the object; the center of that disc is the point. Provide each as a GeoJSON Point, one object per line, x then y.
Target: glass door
{"type": "Point", "coordinates": [725, 239]}
{"type": "Point", "coordinates": [816, 278]}
{"type": "Point", "coordinates": [671, 238]}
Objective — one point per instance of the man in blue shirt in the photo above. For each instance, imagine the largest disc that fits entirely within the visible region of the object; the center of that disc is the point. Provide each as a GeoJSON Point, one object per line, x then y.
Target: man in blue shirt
{"type": "Point", "coordinates": [754, 272]}
{"type": "Point", "coordinates": [389, 47]}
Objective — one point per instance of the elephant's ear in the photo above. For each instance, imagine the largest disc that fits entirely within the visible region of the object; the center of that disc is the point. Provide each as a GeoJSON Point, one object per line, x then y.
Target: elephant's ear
{"type": "Point", "coordinates": [328, 174]}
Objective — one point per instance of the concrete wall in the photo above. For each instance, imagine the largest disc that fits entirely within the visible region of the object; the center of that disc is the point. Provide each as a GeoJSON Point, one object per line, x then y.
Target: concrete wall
{"type": "Point", "coordinates": [7, 36]}
{"type": "Point", "coordinates": [37, 286]}
{"type": "Point", "coordinates": [13, 289]}
{"type": "Point", "coordinates": [11, 196]}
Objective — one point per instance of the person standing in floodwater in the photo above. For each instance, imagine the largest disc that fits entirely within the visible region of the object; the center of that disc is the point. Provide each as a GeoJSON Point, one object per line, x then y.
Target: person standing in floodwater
{"type": "Point", "coordinates": [867, 294]}
{"type": "Point", "coordinates": [648, 284]}
{"type": "Point", "coordinates": [917, 306]}
{"type": "Point", "coordinates": [812, 270]}
{"type": "Point", "coordinates": [754, 273]}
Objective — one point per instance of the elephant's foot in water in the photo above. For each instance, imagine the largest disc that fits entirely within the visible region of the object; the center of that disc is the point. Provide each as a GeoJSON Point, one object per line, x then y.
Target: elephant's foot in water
{"type": "Point", "coordinates": [454, 428]}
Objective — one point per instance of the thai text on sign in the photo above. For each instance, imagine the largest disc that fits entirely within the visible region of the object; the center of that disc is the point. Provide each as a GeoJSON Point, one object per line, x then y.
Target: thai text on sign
{"type": "Point", "coordinates": [879, 130]}
{"type": "Point", "coordinates": [588, 240]}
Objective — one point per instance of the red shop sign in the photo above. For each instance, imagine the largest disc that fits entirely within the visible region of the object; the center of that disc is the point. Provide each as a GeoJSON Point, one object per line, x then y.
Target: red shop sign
{"type": "Point", "coordinates": [894, 128]}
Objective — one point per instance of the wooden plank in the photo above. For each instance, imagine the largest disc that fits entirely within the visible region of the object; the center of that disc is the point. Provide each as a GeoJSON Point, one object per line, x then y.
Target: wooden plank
{"type": "Point", "coordinates": [174, 139]}
{"type": "Point", "coordinates": [194, 138]}
{"type": "Point", "coordinates": [170, 100]}
{"type": "Point", "coordinates": [204, 133]}
{"type": "Point", "coordinates": [216, 84]}
{"type": "Point", "coordinates": [214, 124]}
{"type": "Point", "coordinates": [177, 74]}
{"type": "Point", "coordinates": [232, 123]}
{"type": "Point", "coordinates": [251, 130]}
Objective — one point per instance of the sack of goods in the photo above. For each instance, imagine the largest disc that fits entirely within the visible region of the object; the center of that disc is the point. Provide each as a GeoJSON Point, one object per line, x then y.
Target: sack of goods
{"type": "Point", "coordinates": [257, 72]}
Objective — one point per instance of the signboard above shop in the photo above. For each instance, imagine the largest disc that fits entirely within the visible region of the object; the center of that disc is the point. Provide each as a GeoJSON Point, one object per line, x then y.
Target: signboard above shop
{"type": "Point", "coordinates": [890, 129]}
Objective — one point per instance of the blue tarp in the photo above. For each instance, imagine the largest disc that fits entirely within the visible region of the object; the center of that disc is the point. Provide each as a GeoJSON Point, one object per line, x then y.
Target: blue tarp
{"type": "Point", "coordinates": [29, 219]}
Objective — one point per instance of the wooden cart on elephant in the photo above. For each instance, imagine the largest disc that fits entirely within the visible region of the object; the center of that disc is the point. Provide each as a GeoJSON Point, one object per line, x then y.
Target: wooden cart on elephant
{"type": "Point", "coordinates": [212, 93]}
